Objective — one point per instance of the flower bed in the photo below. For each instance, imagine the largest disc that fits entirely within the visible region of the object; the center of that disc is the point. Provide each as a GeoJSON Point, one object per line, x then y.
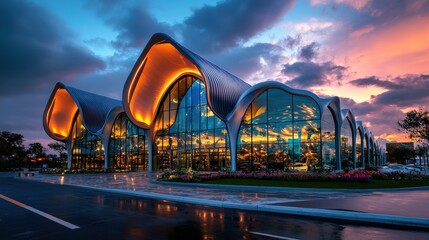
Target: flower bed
{"type": "Point", "coordinates": [359, 176]}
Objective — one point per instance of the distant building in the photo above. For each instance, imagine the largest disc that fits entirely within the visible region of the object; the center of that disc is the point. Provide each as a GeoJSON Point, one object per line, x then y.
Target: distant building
{"type": "Point", "coordinates": [402, 152]}
{"type": "Point", "coordinates": [179, 110]}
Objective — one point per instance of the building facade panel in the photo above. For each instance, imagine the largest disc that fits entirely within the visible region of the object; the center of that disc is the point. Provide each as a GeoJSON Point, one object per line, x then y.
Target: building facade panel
{"type": "Point", "coordinates": [128, 148]}
{"type": "Point", "coordinates": [187, 132]}
{"type": "Point", "coordinates": [280, 135]}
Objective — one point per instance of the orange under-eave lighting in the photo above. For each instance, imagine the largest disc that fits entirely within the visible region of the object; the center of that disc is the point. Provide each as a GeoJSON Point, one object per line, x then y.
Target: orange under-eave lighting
{"type": "Point", "coordinates": [161, 67]}
{"type": "Point", "coordinates": [61, 114]}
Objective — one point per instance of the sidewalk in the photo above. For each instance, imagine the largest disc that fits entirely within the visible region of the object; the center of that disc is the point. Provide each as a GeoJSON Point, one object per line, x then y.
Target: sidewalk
{"type": "Point", "coordinates": [405, 207]}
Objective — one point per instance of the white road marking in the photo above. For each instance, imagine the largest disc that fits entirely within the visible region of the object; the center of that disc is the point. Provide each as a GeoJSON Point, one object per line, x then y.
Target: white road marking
{"type": "Point", "coordinates": [272, 236]}
{"type": "Point", "coordinates": [43, 214]}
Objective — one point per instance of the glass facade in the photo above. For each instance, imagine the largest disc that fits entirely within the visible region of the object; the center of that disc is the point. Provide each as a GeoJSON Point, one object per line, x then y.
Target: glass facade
{"type": "Point", "coordinates": [371, 152]}
{"type": "Point", "coordinates": [280, 135]}
{"type": "Point", "coordinates": [359, 162]}
{"type": "Point", "coordinates": [88, 151]}
{"type": "Point", "coordinates": [127, 146]}
{"type": "Point", "coordinates": [346, 145]}
{"type": "Point", "coordinates": [365, 150]}
{"type": "Point", "coordinates": [187, 132]}
{"type": "Point", "coordinates": [328, 141]}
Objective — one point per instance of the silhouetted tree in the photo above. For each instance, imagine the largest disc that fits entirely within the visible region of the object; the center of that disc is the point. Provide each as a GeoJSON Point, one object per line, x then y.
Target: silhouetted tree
{"type": "Point", "coordinates": [36, 152]}
{"type": "Point", "coordinates": [416, 125]}
{"type": "Point", "coordinates": [12, 150]}
{"type": "Point", "coordinates": [422, 151]}
{"type": "Point", "coordinates": [61, 159]}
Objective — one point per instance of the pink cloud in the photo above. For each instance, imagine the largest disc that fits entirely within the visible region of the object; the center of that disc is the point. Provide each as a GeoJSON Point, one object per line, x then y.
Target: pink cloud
{"type": "Point", "coordinates": [397, 49]}
{"type": "Point", "coordinates": [362, 31]}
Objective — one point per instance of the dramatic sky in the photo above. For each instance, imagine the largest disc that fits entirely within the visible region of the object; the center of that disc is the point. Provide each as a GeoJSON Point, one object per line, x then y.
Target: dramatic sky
{"type": "Point", "coordinates": [374, 55]}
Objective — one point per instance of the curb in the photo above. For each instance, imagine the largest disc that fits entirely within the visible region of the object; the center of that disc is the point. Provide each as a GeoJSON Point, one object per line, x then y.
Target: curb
{"type": "Point", "coordinates": [286, 189]}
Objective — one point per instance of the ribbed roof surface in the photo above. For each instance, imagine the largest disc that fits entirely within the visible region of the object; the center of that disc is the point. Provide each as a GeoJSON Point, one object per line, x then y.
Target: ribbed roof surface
{"type": "Point", "coordinates": [223, 88]}
{"type": "Point", "coordinates": [94, 110]}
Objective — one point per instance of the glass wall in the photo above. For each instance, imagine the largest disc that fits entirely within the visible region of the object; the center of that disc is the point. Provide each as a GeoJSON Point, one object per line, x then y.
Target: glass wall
{"type": "Point", "coordinates": [127, 146]}
{"type": "Point", "coordinates": [371, 152]}
{"type": "Point", "coordinates": [365, 150]}
{"type": "Point", "coordinates": [328, 141]}
{"type": "Point", "coordinates": [187, 133]}
{"type": "Point", "coordinates": [359, 163]}
{"type": "Point", "coordinates": [346, 145]}
{"type": "Point", "coordinates": [88, 151]}
{"type": "Point", "coordinates": [280, 131]}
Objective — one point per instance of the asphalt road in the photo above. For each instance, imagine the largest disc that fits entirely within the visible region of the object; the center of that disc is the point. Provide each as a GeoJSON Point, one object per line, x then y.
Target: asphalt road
{"type": "Point", "coordinates": [102, 215]}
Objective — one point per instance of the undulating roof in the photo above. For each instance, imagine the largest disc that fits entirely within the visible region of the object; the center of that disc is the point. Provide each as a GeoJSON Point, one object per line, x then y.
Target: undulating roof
{"type": "Point", "coordinates": [161, 63]}
{"type": "Point", "coordinates": [65, 103]}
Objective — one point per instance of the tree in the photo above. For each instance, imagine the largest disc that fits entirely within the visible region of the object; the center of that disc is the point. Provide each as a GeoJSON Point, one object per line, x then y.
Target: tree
{"type": "Point", "coordinates": [62, 153]}
{"type": "Point", "coordinates": [36, 152]}
{"type": "Point", "coordinates": [416, 125]}
{"type": "Point", "coordinates": [422, 151]}
{"type": "Point", "coordinates": [12, 150]}
{"type": "Point", "coordinates": [58, 146]}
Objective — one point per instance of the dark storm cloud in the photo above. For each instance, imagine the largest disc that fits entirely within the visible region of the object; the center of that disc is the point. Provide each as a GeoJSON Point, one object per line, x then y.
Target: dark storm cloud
{"type": "Point", "coordinates": [134, 24]}
{"type": "Point", "coordinates": [213, 29]}
{"type": "Point", "coordinates": [139, 29]}
{"type": "Point", "coordinates": [413, 90]}
{"type": "Point", "coordinates": [384, 110]}
{"type": "Point", "coordinates": [36, 51]}
{"type": "Point", "coordinates": [209, 30]}
{"type": "Point", "coordinates": [374, 81]}
{"type": "Point", "coordinates": [403, 91]}
{"type": "Point", "coordinates": [309, 74]}
{"type": "Point", "coordinates": [244, 61]}
{"type": "Point", "coordinates": [309, 52]}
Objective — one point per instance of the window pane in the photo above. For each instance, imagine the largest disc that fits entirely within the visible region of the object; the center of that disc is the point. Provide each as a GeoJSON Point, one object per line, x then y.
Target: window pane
{"type": "Point", "coordinates": [259, 109]}
{"type": "Point", "coordinates": [305, 108]}
{"type": "Point", "coordinates": [280, 106]}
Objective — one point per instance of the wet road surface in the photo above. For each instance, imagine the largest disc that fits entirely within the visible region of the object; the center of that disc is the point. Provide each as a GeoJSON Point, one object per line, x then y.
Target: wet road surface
{"type": "Point", "coordinates": [115, 216]}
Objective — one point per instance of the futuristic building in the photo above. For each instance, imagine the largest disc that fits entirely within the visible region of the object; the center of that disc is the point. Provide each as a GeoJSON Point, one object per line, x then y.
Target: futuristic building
{"type": "Point", "coordinates": [179, 110]}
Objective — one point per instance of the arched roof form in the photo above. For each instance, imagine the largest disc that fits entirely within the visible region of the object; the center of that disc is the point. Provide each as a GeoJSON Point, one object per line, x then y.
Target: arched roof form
{"type": "Point", "coordinates": [359, 126]}
{"type": "Point", "coordinates": [348, 114]}
{"type": "Point", "coordinates": [333, 104]}
{"type": "Point", "coordinates": [254, 91]}
{"type": "Point", "coordinates": [161, 63]}
{"type": "Point", "coordinates": [371, 139]}
{"type": "Point", "coordinates": [66, 102]}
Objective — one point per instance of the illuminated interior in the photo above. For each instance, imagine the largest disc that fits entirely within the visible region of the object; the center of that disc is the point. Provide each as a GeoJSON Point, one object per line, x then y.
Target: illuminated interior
{"type": "Point", "coordinates": [187, 133]}
{"type": "Point", "coordinates": [280, 135]}
{"type": "Point", "coordinates": [371, 152]}
{"type": "Point", "coordinates": [127, 146]}
{"type": "Point", "coordinates": [88, 151]}
{"type": "Point", "coordinates": [365, 150]}
{"type": "Point", "coordinates": [61, 113]}
{"type": "Point", "coordinates": [328, 140]}
{"type": "Point", "coordinates": [162, 65]}
{"type": "Point", "coordinates": [359, 162]}
{"type": "Point", "coordinates": [346, 145]}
